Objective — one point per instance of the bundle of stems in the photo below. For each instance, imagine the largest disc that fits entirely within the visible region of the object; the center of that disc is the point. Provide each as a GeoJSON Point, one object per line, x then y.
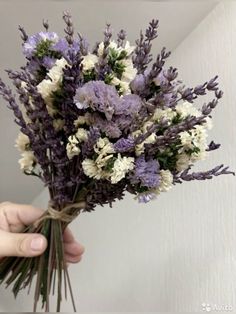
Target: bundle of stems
{"type": "Point", "coordinates": [50, 268]}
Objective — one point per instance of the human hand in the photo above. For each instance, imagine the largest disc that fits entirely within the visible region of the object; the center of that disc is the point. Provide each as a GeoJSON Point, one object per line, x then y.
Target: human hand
{"type": "Point", "coordinates": [14, 218]}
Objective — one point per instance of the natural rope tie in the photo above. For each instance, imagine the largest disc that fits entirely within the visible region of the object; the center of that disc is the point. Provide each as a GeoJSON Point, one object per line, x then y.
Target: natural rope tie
{"type": "Point", "coordinates": [64, 215]}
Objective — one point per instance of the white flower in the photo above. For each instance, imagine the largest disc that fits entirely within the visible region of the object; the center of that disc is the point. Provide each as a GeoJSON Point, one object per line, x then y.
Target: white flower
{"type": "Point", "coordinates": [101, 161]}
{"type": "Point", "coordinates": [82, 134]}
{"type": "Point", "coordinates": [166, 181]}
{"type": "Point", "coordinates": [186, 108]}
{"type": "Point", "coordinates": [124, 87]}
{"type": "Point", "coordinates": [130, 72]}
{"type": "Point", "coordinates": [103, 147]}
{"type": "Point", "coordinates": [147, 125]}
{"type": "Point", "coordinates": [89, 62]}
{"type": "Point", "coordinates": [27, 162]}
{"type": "Point", "coordinates": [100, 49]}
{"type": "Point", "coordinates": [45, 88]}
{"type": "Point", "coordinates": [90, 168]}
{"type": "Point", "coordinates": [72, 147]}
{"type": "Point", "coordinates": [113, 45]}
{"type": "Point", "coordinates": [129, 49]}
{"type": "Point", "coordinates": [121, 167]}
{"type": "Point", "coordinates": [193, 139]}
{"type": "Point", "coordinates": [56, 72]}
{"type": "Point", "coordinates": [139, 148]}
{"type": "Point", "coordinates": [166, 114]}
{"type": "Point", "coordinates": [186, 138]}
{"type": "Point", "coordinates": [22, 142]}
{"type": "Point", "coordinates": [80, 120]}
{"type": "Point", "coordinates": [52, 84]}
{"type": "Point", "coordinates": [183, 162]}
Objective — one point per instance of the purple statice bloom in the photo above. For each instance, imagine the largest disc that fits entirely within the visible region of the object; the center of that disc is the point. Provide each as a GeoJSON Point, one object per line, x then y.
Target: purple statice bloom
{"type": "Point", "coordinates": [30, 46]}
{"type": "Point", "coordinates": [98, 96]}
{"type": "Point", "coordinates": [138, 84]}
{"type": "Point", "coordinates": [146, 172]}
{"type": "Point", "coordinates": [48, 62]}
{"type": "Point", "coordinates": [33, 66]}
{"type": "Point", "coordinates": [109, 127]}
{"type": "Point", "coordinates": [130, 105]}
{"type": "Point", "coordinates": [60, 46]}
{"type": "Point", "coordinates": [63, 47]}
{"type": "Point", "coordinates": [146, 197]}
{"type": "Point", "coordinates": [124, 144]}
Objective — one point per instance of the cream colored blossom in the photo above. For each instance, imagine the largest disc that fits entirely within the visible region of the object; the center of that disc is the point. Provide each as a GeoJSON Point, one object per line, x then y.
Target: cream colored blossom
{"type": "Point", "coordinates": [124, 87]}
{"type": "Point", "coordinates": [103, 146]}
{"type": "Point", "coordinates": [130, 71]}
{"type": "Point", "coordinates": [80, 121]}
{"type": "Point", "coordinates": [52, 84]}
{"type": "Point", "coordinates": [190, 140]}
{"type": "Point", "coordinates": [90, 169]}
{"type": "Point", "coordinates": [113, 45]}
{"type": "Point", "coordinates": [139, 148]}
{"type": "Point", "coordinates": [82, 134]}
{"type": "Point", "coordinates": [22, 142]}
{"type": "Point", "coordinates": [183, 162]}
{"type": "Point", "coordinates": [165, 114]}
{"type": "Point", "coordinates": [121, 167]}
{"type": "Point", "coordinates": [166, 181]}
{"type": "Point", "coordinates": [186, 108]}
{"type": "Point", "coordinates": [128, 48]}
{"type": "Point", "coordinates": [89, 62]}
{"type": "Point", "coordinates": [28, 161]}
{"type": "Point", "coordinates": [72, 147]}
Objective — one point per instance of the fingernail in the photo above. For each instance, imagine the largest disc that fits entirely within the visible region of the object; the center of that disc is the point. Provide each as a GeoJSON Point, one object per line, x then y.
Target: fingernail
{"type": "Point", "coordinates": [37, 244]}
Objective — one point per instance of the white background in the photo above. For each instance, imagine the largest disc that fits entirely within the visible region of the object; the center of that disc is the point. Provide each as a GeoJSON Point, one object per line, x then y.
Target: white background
{"type": "Point", "coordinates": [179, 251]}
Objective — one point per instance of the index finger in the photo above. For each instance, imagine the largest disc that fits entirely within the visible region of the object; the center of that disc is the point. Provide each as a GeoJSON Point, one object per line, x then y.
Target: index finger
{"type": "Point", "coordinates": [19, 215]}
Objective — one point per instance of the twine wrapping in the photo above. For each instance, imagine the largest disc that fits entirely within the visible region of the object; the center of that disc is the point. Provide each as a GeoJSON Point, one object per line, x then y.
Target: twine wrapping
{"type": "Point", "coordinates": [64, 215]}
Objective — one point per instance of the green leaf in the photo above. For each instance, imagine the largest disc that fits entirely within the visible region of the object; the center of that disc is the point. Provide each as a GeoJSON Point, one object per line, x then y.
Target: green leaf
{"type": "Point", "coordinates": [110, 164]}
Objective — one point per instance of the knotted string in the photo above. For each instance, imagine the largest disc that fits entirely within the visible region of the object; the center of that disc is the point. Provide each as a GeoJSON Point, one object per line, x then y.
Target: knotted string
{"type": "Point", "coordinates": [64, 215]}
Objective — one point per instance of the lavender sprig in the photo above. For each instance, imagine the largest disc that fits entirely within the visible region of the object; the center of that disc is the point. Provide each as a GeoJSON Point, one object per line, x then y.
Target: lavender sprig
{"type": "Point", "coordinates": [24, 36]}
{"type": "Point", "coordinates": [103, 67]}
{"type": "Point", "coordinates": [142, 56]}
{"type": "Point", "coordinates": [69, 30]}
{"type": "Point", "coordinates": [46, 25]}
{"type": "Point", "coordinates": [204, 175]}
{"type": "Point", "coordinates": [121, 36]}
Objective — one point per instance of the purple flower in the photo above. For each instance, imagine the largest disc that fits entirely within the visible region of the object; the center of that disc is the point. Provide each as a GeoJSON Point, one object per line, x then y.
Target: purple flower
{"type": "Point", "coordinates": [30, 46]}
{"type": "Point", "coordinates": [124, 145]}
{"type": "Point", "coordinates": [110, 128]}
{"type": "Point", "coordinates": [48, 62]}
{"type": "Point", "coordinates": [60, 46]}
{"type": "Point", "coordinates": [138, 84]}
{"type": "Point", "coordinates": [146, 172]}
{"type": "Point", "coordinates": [98, 96]}
{"type": "Point", "coordinates": [63, 47]}
{"type": "Point", "coordinates": [130, 105]}
{"type": "Point", "coordinates": [146, 197]}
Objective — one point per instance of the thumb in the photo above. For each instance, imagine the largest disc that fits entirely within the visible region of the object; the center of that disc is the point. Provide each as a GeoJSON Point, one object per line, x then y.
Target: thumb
{"type": "Point", "coordinates": [20, 244]}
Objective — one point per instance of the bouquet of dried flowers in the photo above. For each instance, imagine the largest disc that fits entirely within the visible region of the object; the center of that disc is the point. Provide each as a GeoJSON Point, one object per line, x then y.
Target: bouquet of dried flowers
{"type": "Point", "coordinates": [95, 124]}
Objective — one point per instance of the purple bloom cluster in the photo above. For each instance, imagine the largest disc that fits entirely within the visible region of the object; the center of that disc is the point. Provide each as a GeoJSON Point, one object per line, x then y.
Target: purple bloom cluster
{"type": "Point", "coordinates": [146, 173]}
